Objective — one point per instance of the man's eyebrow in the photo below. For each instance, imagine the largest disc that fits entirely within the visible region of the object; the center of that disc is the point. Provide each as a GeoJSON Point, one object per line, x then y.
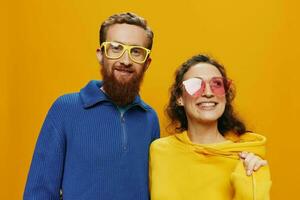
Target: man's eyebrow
{"type": "Point", "coordinates": [126, 44]}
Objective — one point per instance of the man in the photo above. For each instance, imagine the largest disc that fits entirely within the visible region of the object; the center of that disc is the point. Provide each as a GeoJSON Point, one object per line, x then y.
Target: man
{"type": "Point", "coordinates": [94, 144]}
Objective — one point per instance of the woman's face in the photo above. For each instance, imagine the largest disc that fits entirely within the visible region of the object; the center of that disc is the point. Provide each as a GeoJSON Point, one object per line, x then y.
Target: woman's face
{"type": "Point", "coordinates": [207, 103]}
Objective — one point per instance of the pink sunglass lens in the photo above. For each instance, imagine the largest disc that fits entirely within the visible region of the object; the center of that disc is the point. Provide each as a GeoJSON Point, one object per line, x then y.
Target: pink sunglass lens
{"type": "Point", "coordinates": [217, 86]}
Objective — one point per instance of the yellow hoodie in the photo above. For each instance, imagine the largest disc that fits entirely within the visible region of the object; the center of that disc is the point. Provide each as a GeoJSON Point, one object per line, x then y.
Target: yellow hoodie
{"type": "Point", "coordinates": [181, 170]}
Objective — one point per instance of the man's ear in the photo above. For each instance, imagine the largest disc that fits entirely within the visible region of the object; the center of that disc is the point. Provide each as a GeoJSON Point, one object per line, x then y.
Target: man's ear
{"type": "Point", "coordinates": [147, 63]}
{"type": "Point", "coordinates": [99, 55]}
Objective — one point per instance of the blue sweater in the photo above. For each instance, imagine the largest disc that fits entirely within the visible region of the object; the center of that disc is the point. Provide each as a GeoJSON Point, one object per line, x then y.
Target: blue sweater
{"type": "Point", "coordinates": [90, 150]}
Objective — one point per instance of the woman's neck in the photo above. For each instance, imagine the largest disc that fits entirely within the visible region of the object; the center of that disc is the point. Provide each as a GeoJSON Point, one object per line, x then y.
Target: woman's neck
{"type": "Point", "coordinates": [204, 133]}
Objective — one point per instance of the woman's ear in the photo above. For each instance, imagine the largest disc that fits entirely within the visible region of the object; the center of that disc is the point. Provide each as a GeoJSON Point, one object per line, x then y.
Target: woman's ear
{"type": "Point", "coordinates": [179, 101]}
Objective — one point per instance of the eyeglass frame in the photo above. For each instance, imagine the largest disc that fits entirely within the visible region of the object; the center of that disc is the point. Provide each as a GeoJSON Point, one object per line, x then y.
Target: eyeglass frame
{"type": "Point", "coordinates": [126, 48]}
{"type": "Point", "coordinates": [227, 83]}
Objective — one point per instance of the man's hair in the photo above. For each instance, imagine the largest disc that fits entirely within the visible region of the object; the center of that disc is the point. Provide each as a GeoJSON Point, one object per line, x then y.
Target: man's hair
{"type": "Point", "coordinates": [125, 18]}
{"type": "Point", "coordinates": [227, 122]}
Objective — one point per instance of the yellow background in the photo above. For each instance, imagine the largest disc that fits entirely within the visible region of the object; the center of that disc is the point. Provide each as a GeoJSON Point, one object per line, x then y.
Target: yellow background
{"type": "Point", "coordinates": [48, 49]}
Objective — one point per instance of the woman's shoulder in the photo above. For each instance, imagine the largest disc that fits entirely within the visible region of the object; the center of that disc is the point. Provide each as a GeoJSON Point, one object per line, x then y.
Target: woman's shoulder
{"type": "Point", "coordinates": [163, 141]}
{"type": "Point", "coordinates": [246, 137]}
{"type": "Point", "coordinates": [164, 147]}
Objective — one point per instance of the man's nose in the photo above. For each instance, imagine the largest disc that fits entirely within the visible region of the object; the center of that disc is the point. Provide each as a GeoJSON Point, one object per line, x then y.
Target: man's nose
{"type": "Point", "coordinates": [125, 58]}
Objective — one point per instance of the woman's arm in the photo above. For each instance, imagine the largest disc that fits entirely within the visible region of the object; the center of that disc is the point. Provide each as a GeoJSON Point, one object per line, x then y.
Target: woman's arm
{"type": "Point", "coordinates": [254, 187]}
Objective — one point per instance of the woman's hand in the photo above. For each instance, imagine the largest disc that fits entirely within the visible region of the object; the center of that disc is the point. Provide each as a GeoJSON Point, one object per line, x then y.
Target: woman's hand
{"type": "Point", "coordinates": [252, 162]}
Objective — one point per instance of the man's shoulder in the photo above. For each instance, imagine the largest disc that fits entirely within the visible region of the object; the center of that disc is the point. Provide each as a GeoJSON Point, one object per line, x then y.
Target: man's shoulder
{"type": "Point", "coordinates": [147, 107]}
{"type": "Point", "coordinates": [66, 103]}
{"type": "Point", "coordinates": [67, 100]}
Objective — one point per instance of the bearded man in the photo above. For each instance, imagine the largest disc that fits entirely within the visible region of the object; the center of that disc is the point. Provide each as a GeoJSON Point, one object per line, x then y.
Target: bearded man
{"type": "Point", "coordinates": [94, 144]}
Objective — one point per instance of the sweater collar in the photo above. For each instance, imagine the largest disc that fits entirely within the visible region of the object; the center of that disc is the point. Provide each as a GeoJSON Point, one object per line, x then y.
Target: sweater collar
{"type": "Point", "coordinates": [91, 94]}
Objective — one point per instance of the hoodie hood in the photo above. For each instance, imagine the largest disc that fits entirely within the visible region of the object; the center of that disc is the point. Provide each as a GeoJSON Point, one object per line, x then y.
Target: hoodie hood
{"type": "Point", "coordinates": [250, 142]}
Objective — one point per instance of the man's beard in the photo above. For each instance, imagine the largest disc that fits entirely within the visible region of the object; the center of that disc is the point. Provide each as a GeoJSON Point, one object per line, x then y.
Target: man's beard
{"type": "Point", "coordinates": [121, 92]}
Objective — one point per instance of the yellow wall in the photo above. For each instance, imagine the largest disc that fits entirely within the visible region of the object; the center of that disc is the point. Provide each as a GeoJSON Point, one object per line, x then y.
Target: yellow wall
{"type": "Point", "coordinates": [48, 48]}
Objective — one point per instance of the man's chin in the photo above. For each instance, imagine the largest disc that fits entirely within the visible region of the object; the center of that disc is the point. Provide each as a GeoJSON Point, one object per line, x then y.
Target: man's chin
{"type": "Point", "coordinates": [123, 79]}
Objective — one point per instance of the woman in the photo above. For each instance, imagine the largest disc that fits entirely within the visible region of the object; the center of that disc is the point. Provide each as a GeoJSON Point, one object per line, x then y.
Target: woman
{"type": "Point", "coordinates": [202, 160]}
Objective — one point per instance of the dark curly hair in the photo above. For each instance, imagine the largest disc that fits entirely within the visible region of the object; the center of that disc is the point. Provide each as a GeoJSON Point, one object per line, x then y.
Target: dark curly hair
{"type": "Point", "coordinates": [227, 122]}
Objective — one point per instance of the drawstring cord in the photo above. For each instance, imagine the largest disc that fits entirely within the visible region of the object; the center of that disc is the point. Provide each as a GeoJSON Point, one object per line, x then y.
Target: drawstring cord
{"type": "Point", "coordinates": [253, 186]}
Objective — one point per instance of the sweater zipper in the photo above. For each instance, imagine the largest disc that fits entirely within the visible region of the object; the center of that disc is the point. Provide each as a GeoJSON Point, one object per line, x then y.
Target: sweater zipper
{"type": "Point", "coordinates": [124, 134]}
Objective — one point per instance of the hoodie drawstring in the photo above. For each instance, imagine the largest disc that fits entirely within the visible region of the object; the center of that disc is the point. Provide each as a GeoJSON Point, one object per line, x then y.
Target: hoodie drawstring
{"type": "Point", "coordinates": [253, 186]}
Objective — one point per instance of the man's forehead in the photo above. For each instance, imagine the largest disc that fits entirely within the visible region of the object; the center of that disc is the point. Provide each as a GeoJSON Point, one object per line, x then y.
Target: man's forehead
{"type": "Point", "coordinates": [127, 34]}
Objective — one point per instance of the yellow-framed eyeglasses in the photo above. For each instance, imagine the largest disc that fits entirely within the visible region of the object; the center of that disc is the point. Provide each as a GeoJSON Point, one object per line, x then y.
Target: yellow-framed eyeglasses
{"type": "Point", "coordinates": [115, 50]}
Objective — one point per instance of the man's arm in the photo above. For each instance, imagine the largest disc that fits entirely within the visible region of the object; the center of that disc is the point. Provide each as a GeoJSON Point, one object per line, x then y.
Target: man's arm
{"type": "Point", "coordinates": [45, 174]}
{"type": "Point", "coordinates": [156, 129]}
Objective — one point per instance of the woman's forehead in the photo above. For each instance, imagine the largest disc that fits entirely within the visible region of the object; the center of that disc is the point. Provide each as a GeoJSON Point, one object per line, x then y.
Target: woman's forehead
{"type": "Point", "coordinates": [203, 70]}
